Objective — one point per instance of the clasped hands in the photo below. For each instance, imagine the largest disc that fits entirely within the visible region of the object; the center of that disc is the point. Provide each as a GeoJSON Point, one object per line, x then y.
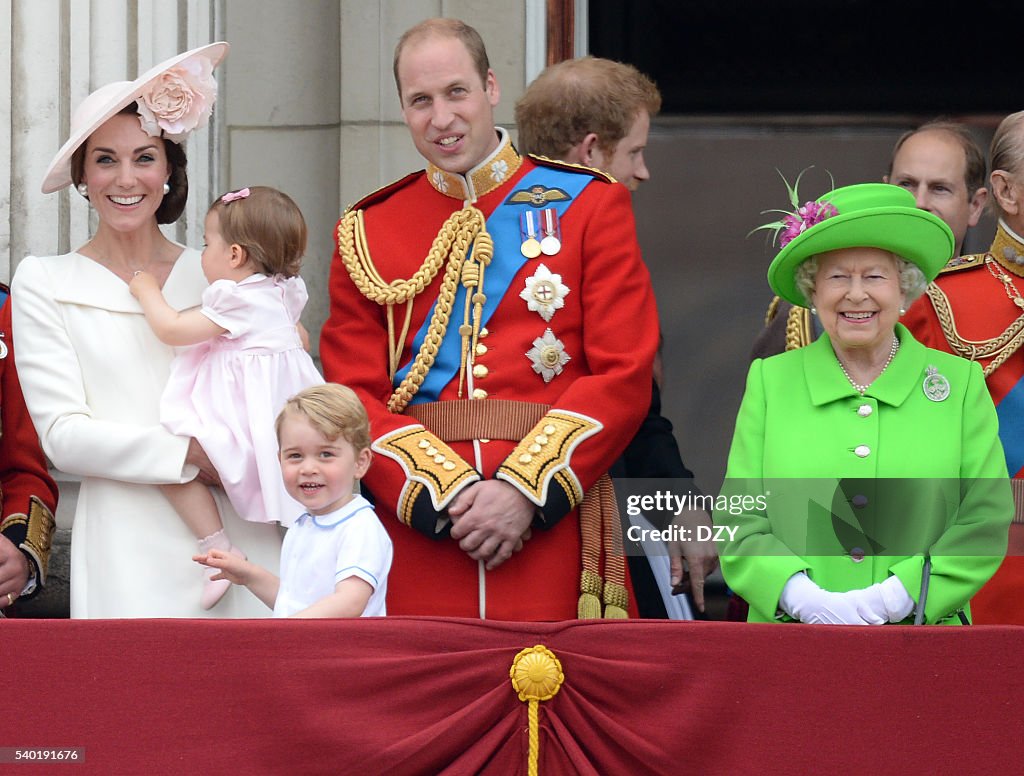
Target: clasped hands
{"type": "Point", "coordinates": [14, 572]}
{"type": "Point", "coordinates": [878, 604]}
{"type": "Point", "coordinates": [490, 521]}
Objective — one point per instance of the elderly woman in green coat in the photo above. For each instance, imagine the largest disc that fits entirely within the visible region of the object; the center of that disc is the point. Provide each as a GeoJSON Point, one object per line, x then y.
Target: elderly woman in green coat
{"type": "Point", "coordinates": [877, 487]}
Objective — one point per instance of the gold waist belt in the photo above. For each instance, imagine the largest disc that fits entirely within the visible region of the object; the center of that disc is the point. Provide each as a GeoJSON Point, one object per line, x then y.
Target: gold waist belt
{"type": "Point", "coordinates": [467, 419]}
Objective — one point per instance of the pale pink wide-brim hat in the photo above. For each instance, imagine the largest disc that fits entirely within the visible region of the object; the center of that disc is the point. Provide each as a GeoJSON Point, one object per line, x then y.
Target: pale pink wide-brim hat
{"type": "Point", "coordinates": [107, 101]}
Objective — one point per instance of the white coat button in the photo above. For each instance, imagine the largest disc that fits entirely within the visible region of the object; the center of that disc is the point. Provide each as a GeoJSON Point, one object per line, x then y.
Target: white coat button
{"type": "Point", "coordinates": [864, 410]}
{"type": "Point", "coordinates": [862, 451]}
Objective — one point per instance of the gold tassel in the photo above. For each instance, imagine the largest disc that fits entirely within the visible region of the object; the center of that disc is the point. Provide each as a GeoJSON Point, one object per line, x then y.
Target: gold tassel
{"type": "Point", "coordinates": [589, 605]}
{"type": "Point", "coordinates": [537, 676]}
{"type": "Point", "coordinates": [616, 601]}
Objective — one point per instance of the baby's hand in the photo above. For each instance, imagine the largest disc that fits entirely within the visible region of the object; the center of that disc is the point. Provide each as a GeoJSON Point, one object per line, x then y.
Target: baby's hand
{"type": "Point", "coordinates": [141, 282]}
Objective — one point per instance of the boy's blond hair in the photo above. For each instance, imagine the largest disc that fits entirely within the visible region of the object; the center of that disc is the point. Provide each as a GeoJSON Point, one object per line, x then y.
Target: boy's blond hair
{"type": "Point", "coordinates": [334, 410]}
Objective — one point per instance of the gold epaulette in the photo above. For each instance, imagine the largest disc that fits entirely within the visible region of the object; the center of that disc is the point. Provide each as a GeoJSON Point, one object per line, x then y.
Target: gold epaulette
{"type": "Point", "coordinates": [957, 263]}
{"type": "Point", "coordinates": [544, 161]}
{"type": "Point", "coordinates": [385, 191]}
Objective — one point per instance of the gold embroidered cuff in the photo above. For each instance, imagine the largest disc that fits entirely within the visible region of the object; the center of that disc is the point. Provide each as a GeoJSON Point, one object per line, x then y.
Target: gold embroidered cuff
{"type": "Point", "coordinates": [37, 529]}
{"type": "Point", "coordinates": [544, 454]}
{"type": "Point", "coordinates": [428, 461]}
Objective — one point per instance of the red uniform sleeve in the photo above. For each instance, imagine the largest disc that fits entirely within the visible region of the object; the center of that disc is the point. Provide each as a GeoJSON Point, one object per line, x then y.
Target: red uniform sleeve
{"type": "Point", "coordinates": [29, 494]}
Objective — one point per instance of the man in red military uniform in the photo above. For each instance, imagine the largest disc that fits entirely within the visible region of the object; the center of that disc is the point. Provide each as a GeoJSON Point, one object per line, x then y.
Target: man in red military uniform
{"type": "Point", "coordinates": [495, 316]}
{"type": "Point", "coordinates": [975, 309]}
{"type": "Point", "coordinates": [28, 495]}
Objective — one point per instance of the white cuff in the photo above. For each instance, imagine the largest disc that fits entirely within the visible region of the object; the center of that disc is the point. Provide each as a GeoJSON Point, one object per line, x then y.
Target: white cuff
{"type": "Point", "coordinates": [798, 590]}
{"type": "Point", "coordinates": [898, 603]}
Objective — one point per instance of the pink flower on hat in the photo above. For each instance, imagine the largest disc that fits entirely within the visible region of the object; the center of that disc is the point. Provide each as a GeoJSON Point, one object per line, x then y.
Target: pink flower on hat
{"type": "Point", "coordinates": [804, 218]}
{"type": "Point", "coordinates": [179, 101]}
{"type": "Point", "coordinates": [801, 218]}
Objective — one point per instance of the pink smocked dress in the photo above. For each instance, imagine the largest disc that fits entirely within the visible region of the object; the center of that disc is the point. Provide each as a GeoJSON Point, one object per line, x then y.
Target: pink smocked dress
{"type": "Point", "coordinates": [227, 392]}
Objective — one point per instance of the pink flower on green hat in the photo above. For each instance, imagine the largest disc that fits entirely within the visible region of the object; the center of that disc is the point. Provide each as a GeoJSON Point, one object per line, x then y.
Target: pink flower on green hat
{"type": "Point", "coordinates": [804, 218]}
{"type": "Point", "coordinates": [179, 100]}
{"type": "Point", "coordinates": [800, 219]}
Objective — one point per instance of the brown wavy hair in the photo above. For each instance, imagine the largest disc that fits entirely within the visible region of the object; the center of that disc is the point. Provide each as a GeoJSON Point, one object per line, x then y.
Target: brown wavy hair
{"type": "Point", "coordinates": [269, 225]}
{"type": "Point", "coordinates": [571, 99]}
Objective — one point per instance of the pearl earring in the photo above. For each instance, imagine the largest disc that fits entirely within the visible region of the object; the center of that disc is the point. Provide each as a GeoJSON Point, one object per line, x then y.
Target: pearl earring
{"type": "Point", "coordinates": [83, 190]}
{"type": "Point", "coordinates": [167, 188]}
{"type": "Point", "coordinates": [814, 310]}
{"type": "Point", "coordinates": [903, 311]}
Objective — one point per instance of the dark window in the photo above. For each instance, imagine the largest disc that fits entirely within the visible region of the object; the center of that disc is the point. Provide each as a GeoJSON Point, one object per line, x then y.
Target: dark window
{"type": "Point", "coordinates": [781, 56]}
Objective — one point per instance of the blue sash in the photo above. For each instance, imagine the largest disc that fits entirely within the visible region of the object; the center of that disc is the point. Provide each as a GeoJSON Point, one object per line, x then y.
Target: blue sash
{"type": "Point", "coordinates": [503, 226]}
{"type": "Point", "coordinates": [1010, 412]}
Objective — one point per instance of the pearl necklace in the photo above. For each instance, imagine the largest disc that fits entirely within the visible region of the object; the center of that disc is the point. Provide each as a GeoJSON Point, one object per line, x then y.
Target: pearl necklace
{"type": "Point", "coordinates": [862, 389]}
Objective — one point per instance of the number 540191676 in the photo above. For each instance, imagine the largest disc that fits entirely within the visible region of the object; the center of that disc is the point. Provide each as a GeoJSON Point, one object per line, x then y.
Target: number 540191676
{"type": "Point", "coordinates": [14, 754]}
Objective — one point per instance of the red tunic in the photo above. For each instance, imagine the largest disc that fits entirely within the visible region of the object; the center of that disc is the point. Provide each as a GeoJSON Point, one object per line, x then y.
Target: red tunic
{"type": "Point", "coordinates": [27, 492]}
{"type": "Point", "coordinates": [608, 328]}
{"type": "Point", "coordinates": [982, 309]}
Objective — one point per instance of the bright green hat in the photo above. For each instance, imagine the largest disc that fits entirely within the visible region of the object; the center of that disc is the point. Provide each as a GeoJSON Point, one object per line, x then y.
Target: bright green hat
{"type": "Point", "coordinates": [867, 215]}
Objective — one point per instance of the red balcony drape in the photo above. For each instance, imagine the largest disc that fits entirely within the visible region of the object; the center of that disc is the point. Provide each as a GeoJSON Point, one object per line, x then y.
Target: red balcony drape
{"type": "Point", "coordinates": [431, 696]}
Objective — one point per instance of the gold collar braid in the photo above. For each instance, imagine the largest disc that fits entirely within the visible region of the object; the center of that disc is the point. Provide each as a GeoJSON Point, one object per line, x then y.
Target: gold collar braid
{"type": "Point", "coordinates": [1008, 249]}
{"type": "Point", "coordinates": [482, 179]}
{"type": "Point", "coordinates": [462, 229]}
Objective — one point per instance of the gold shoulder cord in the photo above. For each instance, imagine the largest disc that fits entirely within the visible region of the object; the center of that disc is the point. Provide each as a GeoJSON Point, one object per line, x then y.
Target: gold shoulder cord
{"type": "Point", "coordinates": [998, 348]}
{"type": "Point", "coordinates": [452, 243]}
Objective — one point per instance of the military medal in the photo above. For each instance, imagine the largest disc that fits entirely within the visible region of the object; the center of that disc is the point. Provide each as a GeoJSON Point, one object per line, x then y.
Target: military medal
{"type": "Point", "coordinates": [544, 292]}
{"type": "Point", "coordinates": [548, 356]}
{"type": "Point", "coordinates": [530, 247]}
{"type": "Point", "coordinates": [935, 386]}
{"type": "Point", "coordinates": [552, 240]}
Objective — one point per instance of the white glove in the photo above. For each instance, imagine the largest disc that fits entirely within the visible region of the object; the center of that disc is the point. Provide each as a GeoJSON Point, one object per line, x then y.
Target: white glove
{"type": "Point", "coordinates": [883, 602]}
{"type": "Point", "coordinates": [805, 600]}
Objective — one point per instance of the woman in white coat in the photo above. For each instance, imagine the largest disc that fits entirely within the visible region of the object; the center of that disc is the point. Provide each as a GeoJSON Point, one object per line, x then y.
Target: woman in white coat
{"type": "Point", "coordinates": [93, 371]}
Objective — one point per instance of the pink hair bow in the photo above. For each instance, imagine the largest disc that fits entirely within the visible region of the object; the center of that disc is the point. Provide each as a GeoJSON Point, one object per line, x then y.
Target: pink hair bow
{"type": "Point", "coordinates": [231, 196]}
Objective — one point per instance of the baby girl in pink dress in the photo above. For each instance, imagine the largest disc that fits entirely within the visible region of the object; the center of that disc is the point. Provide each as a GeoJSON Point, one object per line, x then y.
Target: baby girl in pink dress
{"type": "Point", "coordinates": [246, 359]}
